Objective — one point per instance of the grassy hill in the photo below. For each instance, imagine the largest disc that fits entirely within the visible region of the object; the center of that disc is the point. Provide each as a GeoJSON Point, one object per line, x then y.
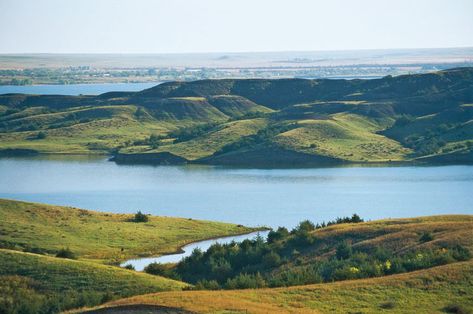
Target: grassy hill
{"type": "Point", "coordinates": [405, 118]}
{"type": "Point", "coordinates": [445, 288]}
{"type": "Point", "coordinates": [35, 280]}
{"type": "Point", "coordinates": [346, 249]}
{"type": "Point", "coordinates": [32, 283]}
{"type": "Point", "coordinates": [442, 289]}
{"type": "Point", "coordinates": [99, 236]}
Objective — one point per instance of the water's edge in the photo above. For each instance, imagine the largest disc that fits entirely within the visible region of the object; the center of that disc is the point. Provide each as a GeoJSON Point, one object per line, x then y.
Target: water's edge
{"type": "Point", "coordinates": [185, 250]}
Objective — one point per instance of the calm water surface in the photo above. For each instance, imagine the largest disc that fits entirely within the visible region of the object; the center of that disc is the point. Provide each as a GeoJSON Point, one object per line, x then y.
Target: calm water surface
{"type": "Point", "coordinates": [76, 89]}
{"type": "Point", "coordinates": [255, 197]}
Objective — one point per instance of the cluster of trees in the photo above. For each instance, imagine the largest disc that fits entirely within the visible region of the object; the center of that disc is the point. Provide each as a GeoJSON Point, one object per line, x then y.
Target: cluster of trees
{"type": "Point", "coordinates": [355, 218]}
{"type": "Point", "coordinates": [431, 141]}
{"type": "Point", "coordinates": [286, 258]}
{"type": "Point", "coordinates": [349, 263]}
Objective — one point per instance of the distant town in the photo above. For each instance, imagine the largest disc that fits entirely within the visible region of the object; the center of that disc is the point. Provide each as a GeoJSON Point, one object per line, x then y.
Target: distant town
{"type": "Point", "coordinates": [133, 68]}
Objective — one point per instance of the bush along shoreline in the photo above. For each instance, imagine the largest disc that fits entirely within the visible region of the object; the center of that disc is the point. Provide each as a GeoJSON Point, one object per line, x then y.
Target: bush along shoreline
{"type": "Point", "coordinates": [299, 257]}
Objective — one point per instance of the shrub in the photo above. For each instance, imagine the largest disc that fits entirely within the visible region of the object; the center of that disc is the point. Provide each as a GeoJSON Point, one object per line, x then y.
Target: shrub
{"type": "Point", "coordinates": [207, 285]}
{"type": "Point", "coordinates": [246, 281]}
{"type": "Point", "coordinates": [154, 141]}
{"type": "Point", "coordinates": [129, 266]}
{"type": "Point", "coordinates": [456, 308]}
{"type": "Point", "coordinates": [344, 250]}
{"type": "Point", "coordinates": [140, 217]}
{"type": "Point", "coordinates": [271, 259]}
{"type": "Point", "coordinates": [305, 225]}
{"type": "Point", "coordinates": [426, 237]}
{"type": "Point", "coordinates": [387, 305]}
{"type": "Point", "coordinates": [302, 239]}
{"type": "Point", "coordinates": [41, 135]}
{"type": "Point", "coordinates": [156, 269]}
{"type": "Point", "coordinates": [65, 253]}
{"type": "Point", "coordinates": [461, 253]}
{"type": "Point", "coordinates": [277, 235]}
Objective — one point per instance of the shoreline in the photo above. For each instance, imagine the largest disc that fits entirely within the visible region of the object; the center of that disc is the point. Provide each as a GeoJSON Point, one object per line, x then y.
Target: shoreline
{"type": "Point", "coordinates": [180, 249]}
{"type": "Point", "coordinates": [29, 153]}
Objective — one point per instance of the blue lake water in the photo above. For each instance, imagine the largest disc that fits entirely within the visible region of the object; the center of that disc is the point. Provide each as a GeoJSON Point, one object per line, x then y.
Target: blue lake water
{"type": "Point", "coordinates": [76, 89]}
{"type": "Point", "coordinates": [254, 197]}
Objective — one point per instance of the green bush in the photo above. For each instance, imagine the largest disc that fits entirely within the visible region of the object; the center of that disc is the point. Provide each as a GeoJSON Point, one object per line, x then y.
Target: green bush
{"type": "Point", "coordinates": [207, 285]}
{"type": "Point", "coordinates": [156, 269]}
{"type": "Point", "coordinates": [457, 309]}
{"type": "Point", "coordinates": [246, 281]}
{"type": "Point", "coordinates": [426, 237]}
{"type": "Point", "coordinates": [344, 250]}
{"type": "Point", "coordinates": [65, 253]}
{"type": "Point", "coordinates": [129, 266]}
{"type": "Point", "coordinates": [278, 235]}
{"type": "Point", "coordinates": [140, 217]}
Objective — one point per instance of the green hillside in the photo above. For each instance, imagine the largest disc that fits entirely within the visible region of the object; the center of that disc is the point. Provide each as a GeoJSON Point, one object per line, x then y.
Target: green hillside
{"type": "Point", "coordinates": [98, 236]}
{"type": "Point", "coordinates": [419, 117]}
{"type": "Point", "coordinates": [54, 257]}
{"type": "Point", "coordinates": [33, 283]}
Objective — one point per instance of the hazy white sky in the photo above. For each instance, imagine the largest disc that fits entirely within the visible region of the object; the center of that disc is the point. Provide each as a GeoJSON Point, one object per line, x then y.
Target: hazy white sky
{"type": "Point", "coordinates": [154, 26]}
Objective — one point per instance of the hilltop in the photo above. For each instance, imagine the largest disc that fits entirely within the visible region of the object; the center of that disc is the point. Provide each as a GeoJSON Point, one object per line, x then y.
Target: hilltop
{"type": "Point", "coordinates": [417, 117]}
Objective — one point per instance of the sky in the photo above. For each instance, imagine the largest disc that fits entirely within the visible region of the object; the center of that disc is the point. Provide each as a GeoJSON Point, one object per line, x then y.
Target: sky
{"type": "Point", "coordinates": [183, 26]}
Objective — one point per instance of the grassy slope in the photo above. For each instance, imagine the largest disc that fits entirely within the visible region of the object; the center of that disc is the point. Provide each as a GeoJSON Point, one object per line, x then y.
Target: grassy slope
{"type": "Point", "coordinates": [403, 234]}
{"type": "Point", "coordinates": [32, 283]}
{"type": "Point", "coordinates": [57, 274]}
{"type": "Point", "coordinates": [96, 235]}
{"type": "Point", "coordinates": [346, 136]}
{"type": "Point", "coordinates": [114, 126]}
{"type": "Point", "coordinates": [427, 291]}
{"type": "Point", "coordinates": [209, 143]}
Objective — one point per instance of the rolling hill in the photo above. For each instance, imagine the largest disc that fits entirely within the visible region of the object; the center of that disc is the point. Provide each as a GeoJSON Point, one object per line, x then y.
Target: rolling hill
{"type": "Point", "coordinates": [442, 289]}
{"type": "Point", "coordinates": [418, 117]}
{"type": "Point", "coordinates": [33, 283]}
{"type": "Point", "coordinates": [97, 236]}
{"type": "Point", "coordinates": [36, 278]}
{"type": "Point", "coordinates": [445, 287]}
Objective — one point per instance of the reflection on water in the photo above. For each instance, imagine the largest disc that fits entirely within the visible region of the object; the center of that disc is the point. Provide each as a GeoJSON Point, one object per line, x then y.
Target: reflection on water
{"type": "Point", "coordinates": [270, 197]}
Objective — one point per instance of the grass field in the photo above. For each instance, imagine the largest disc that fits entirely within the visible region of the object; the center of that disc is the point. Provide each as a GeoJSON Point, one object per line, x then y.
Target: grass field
{"type": "Point", "coordinates": [99, 236]}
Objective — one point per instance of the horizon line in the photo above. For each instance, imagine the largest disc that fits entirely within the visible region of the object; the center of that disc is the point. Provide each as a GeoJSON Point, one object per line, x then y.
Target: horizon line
{"type": "Point", "coordinates": [233, 52]}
